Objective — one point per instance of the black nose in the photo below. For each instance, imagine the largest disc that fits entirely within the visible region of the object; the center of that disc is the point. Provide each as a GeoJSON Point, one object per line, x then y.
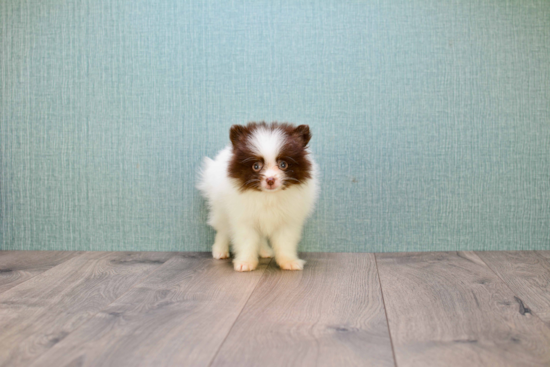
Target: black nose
{"type": "Point", "coordinates": [270, 181]}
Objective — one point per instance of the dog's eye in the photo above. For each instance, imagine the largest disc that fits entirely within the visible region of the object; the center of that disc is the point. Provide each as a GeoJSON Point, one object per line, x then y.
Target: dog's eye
{"type": "Point", "coordinates": [257, 166]}
{"type": "Point", "coordinates": [283, 165]}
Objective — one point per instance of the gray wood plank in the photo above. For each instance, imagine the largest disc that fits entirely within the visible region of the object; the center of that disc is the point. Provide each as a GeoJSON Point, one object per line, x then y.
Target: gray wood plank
{"type": "Point", "coordinates": [17, 267]}
{"type": "Point", "coordinates": [450, 309]}
{"type": "Point", "coordinates": [545, 254]}
{"type": "Point", "coordinates": [39, 313]}
{"type": "Point", "coordinates": [527, 274]}
{"type": "Point", "coordinates": [329, 314]}
{"type": "Point", "coordinates": [178, 316]}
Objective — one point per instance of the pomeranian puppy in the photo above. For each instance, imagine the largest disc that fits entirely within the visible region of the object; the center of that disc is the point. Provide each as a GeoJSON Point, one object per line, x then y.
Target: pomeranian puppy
{"type": "Point", "coordinates": [262, 186]}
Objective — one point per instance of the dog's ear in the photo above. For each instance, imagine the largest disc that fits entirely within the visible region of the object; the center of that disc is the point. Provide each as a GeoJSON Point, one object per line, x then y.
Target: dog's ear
{"type": "Point", "coordinates": [303, 133]}
{"type": "Point", "coordinates": [237, 134]}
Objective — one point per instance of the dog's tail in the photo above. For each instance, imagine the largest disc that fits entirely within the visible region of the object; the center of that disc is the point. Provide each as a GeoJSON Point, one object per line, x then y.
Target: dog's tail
{"type": "Point", "coordinates": [202, 176]}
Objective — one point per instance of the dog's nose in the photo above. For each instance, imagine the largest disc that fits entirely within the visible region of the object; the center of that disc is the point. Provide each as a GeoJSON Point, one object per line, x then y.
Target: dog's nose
{"type": "Point", "coordinates": [270, 181]}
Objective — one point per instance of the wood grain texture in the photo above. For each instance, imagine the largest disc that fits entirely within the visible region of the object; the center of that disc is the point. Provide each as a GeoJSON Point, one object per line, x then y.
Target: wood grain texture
{"type": "Point", "coordinates": [450, 309]}
{"type": "Point", "coordinates": [177, 317]}
{"type": "Point", "coordinates": [527, 274]}
{"type": "Point", "coordinates": [37, 314]}
{"type": "Point", "coordinates": [17, 267]}
{"type": "Point", "coordinates": [545, 254]}
{"type": "Point", "coordinates": [329, 314]}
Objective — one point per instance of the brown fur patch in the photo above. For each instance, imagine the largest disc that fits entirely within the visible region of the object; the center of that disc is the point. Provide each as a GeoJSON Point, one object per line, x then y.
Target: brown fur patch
{"type": "Point", "coordinates": [293, 152]}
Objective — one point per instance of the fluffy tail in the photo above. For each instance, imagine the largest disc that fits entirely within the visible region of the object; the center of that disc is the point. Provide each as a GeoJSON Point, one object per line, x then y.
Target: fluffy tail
{"type": "Point", "coordinates": [202, 182]}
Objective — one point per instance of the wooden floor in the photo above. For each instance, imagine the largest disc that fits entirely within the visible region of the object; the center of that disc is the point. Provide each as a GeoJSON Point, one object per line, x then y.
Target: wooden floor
{"type": "Point", "coordinates": [186, 309]}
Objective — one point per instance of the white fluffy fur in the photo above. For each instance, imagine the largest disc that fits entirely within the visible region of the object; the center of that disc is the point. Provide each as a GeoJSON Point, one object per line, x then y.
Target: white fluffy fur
{"type": "Point", "coordinates": [248, 218]}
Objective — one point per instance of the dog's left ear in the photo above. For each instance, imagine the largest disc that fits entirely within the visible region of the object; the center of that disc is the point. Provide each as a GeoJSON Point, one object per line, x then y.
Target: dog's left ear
{"type": "Point", "coordinates": [237, 134]}
{"type": "Point", "coordinates": [303, 133]}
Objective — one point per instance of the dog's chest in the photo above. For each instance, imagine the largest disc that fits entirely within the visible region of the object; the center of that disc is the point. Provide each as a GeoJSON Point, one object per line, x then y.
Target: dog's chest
{"type": "Point", "coordinates": [269, 213]}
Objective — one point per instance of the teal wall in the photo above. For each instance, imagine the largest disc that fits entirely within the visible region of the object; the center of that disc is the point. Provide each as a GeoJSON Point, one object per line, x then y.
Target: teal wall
{"type": "Point", "coordinates": [431, 119]}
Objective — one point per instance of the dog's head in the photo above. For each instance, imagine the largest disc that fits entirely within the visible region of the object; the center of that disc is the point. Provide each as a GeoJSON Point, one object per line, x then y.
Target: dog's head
{"type": "Point", "coordinates": [269, 157]}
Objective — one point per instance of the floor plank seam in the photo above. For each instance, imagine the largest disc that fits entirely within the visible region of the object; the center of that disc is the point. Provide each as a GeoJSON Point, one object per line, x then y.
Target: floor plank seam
{"type": "Point", "coordinates": [521, 301]}
{"type": "Point", "coordinates": [100, 310]}
{"type": "Point", "coordinates": [236, 318]}
{"type": "Point", "coordinates": [385, 310]}
{"type": "Point", "coordinates": [44, 272]}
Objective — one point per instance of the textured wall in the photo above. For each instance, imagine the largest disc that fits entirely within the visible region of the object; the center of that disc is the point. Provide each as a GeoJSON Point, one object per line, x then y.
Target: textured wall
{"type": "Point", "coordinates": [431, 118]}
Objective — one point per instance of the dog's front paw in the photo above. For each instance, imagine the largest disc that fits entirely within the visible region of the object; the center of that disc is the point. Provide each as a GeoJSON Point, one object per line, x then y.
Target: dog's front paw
{"type": "Point", "coordinates": [244, 265]}
{"type": "Point", "coordinates": [291, 264]}
{"type": "Point", "coordinates": [220, 254]}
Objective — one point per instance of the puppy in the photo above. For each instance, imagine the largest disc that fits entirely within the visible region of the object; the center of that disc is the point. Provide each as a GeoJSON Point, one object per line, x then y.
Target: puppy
{"type": "Point", "coordinates": [262, 186]}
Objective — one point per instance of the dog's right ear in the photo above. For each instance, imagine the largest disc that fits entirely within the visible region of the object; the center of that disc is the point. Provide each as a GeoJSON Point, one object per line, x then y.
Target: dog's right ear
{"type": "Point", "coordinates": [237, 134]}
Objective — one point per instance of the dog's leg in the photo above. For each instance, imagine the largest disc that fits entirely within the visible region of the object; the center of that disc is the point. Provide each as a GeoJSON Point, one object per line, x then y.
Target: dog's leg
{"type": "Point", "coordinates": [265, 250]}
{"type": "Point", "coordinates": [246, 243]}
{"type": "Point", "coordinates": [285, 243]}
{"type": "Point", "coordinates": [220, 248]}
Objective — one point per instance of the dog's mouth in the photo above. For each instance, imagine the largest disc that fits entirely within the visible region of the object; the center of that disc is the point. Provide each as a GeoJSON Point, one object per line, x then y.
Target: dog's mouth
{"type": "Point", "coordinates": [271, 188]}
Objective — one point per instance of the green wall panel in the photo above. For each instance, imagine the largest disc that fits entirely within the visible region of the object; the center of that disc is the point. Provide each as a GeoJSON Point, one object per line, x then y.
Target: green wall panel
{"type": "Point", "coordinates": [431, 119]}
